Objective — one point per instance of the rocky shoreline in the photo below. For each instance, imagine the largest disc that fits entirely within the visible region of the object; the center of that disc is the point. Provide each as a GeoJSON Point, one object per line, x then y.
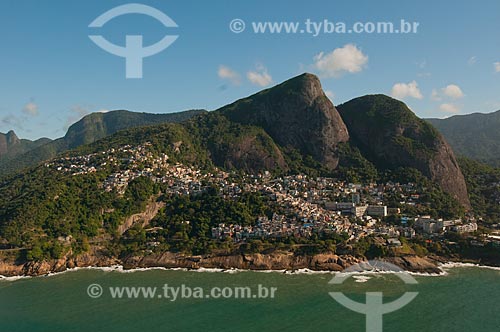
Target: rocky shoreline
{"type": "Point", "coordinates": [272, 261]}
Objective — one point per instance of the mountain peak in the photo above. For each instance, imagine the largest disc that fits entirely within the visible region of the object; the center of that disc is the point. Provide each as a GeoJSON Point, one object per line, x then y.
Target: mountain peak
{"type": "Point", "coordinates": [11, 133]}
{"type": "Point", "coordinates": [392, 136]}
{"type": "Point", "coordinates": [296, 114]}
{"type": "Point", "coordinates": [306, 84]}
{"type": "Point", "coordinates": [304, 78]}
{"type": "Point", "coordinates": [8, 142]}
{"type": "Point", "coordinates": [380, 105]}
{"type": "Point", "coordinates": [11, 137]}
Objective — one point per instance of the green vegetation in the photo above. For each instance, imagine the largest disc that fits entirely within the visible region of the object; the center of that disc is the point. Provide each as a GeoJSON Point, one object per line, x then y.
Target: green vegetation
{"type": "Point", "coordinates": [42, 208]}
{"type": "Point", "coordinates": [172, 139]}
{"type": "Point", "coordinates": [384, 114]}
{"type": "Point", "coordinates": [434, 201]}
{"type": "Point", "coordinates": [235, 146]}
{"type": "Point", "coordinates": [187, 221]}
{"type": "Point", "coordinates": [381, 125]}
{"type": "Point", "coordinates": [300, 164]}
{"type": "Point", "coordinates": [353, 167]}
{"type": "Point", "coordinates": [483, 184]}
{"type": "Point", "coordinates": [11, 146]}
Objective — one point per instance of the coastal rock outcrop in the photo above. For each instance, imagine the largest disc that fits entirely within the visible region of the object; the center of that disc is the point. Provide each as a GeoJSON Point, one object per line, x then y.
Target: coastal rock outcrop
{"type": "Point", "coordinates": [273, 261]}
{"type": "Point", "coordinates": [99, 257]}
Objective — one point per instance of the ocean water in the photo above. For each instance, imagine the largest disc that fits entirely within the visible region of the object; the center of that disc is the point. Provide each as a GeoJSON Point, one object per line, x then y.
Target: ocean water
{"type": "Point", "coordinates": [465, 299]}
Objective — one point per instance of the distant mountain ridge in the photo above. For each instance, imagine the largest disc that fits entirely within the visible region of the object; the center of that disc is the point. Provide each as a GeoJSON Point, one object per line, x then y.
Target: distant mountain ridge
{"type": "Point", "coordinates": [89, 129]}
{"type": "Point", "coordinates": [11, 146]}
{"type": "Point", "coordinates": [99, 125]}
{"type": "Point", "coordinates": [475, 135]}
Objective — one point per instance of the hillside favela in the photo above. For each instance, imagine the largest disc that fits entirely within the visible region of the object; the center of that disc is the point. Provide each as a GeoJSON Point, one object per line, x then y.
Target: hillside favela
{"type": "Point", "coordinates": [324, 171]}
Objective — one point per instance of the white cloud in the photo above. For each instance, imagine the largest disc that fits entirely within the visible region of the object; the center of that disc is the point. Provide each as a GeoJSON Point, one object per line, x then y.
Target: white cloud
{"type": "Point", "coordinates": [30, 109]}
{"type": "Point", "coordinates": [472, 60]}
{"type": "Point", "coordinates": [451, 91]}
{"type": "Point", "coordinates": [403, 90]}
{"type": "Point", "coordinates": [260, 76]}
{"type": "Point", "coordinates": [449, 108]}
{"type": "Point", "coordinates": [227, 73]}
{"type": "Point", "coordinates": [347, 59]}
{"type": "Point", "coordinates": [497, 67]}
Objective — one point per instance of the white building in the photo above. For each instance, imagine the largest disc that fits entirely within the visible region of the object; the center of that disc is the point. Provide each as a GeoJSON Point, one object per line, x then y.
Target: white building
{"type": "Point", "coordinates": [377, 210]}
{"type": "Point", "coordinates": [467, 228]}
{"type": "Point", "coordinates": [359, 211]}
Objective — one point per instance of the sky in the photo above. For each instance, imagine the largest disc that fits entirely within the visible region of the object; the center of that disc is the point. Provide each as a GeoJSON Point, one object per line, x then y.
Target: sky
{"type": "Point", "coordinates": [52, 73]}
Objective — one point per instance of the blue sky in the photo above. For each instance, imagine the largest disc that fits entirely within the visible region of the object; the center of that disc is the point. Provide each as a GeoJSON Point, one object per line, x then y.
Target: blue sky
{"type": "Point", "coordinates": [51, 73]}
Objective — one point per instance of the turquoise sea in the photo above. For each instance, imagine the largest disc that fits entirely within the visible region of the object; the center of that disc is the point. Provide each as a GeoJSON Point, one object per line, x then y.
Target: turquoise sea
{"type": "Point", "coordinates": [466, 299]}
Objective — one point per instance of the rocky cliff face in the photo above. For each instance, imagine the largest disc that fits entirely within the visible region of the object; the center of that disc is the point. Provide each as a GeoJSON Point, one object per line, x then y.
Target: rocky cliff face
{"type": "Point", "coordinates": [7, 141]}
{"type": "Point", "coordinates": [444, 169]}
{"type": "Point", "coordinates": [295, 114]}
{"type": "Point", "coordinates": [391, 135]}
{"type": "Point", "coordinates": [96, 257]}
